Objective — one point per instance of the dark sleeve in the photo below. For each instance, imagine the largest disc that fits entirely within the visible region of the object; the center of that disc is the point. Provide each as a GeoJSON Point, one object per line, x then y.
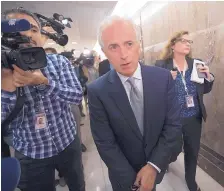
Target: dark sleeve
{"type": "Point", "coordinates": [110, 152]}
{"type": "Point", "coordinates": [208, 85]}
{"type": "Point", "coordinates": [171, 132]}
{"type": "Point", "coordinates": [101, 69]}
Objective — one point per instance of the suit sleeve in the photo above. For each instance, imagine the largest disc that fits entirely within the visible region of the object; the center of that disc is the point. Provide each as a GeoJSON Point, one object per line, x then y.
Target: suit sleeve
{"type": "Point", "coordinates": [208, 85]}
{"type": "Point", "coordinates": [119, 167]}
{"type": "Point", "coordinates": [171, 132]}
{"type": "Point", "coordinates": [100, 69]}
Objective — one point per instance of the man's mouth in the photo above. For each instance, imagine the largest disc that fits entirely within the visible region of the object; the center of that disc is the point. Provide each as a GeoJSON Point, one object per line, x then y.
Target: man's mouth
{"type": "Point", "coordinates": [126, 64]}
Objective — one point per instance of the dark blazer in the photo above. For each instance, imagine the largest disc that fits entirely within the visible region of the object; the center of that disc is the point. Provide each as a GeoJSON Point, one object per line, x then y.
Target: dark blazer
{"type": "Point", "coordinates": [115, 131]}
{"type": "Point", "coordinates": [104, 67]}
{"type": "Point", "coordinates": [201, 88]}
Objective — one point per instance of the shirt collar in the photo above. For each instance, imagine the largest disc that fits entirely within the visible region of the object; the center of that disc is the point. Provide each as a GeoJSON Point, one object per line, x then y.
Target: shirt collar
{"type": "Point", "coordinates": [137, 75]}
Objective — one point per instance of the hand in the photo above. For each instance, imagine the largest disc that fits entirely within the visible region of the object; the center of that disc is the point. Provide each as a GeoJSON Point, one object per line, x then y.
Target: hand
{"type": "Point", "coordinates": [23, 78]}
{"type": "Point", "coordinates": [7, 80]}
{"type": "Point", "coordinates": [204, 69]}
{"type": "Point", "coordinates": [174, 74]}
{"type": "Point", "coordinates": [146, 178]}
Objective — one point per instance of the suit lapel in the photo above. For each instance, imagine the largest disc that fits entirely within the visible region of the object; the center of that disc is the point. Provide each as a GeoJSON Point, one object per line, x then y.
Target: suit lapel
{"type": "Point", "coordinates": [190, 62]}
{"type": "Point", "coordinates": [118, 94]}
{"type": "Point", "coordinates": [169, 64]}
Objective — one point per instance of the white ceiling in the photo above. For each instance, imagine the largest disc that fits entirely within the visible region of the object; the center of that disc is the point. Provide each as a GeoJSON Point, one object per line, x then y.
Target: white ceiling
{"type": "Point", "coordinates": [86, 16]}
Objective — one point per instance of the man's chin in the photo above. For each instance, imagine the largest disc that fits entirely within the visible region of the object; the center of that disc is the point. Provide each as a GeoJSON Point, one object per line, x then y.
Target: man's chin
{"type": "Point", "coordinates": [127, 72]}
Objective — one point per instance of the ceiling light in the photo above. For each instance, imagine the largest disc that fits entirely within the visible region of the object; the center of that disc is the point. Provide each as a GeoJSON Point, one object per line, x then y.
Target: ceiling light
{"type": "Point", "coordinates": [151, 10]}
{"type": "Point", "coordinates": [51, 43]}
{"type": "Point", "coordinates": [128, 9]}
{"type": "Point", "coordinates": [74, 43]}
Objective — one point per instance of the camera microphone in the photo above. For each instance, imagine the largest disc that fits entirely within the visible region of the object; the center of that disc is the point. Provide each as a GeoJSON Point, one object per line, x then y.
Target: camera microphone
{"type": "Point", "coordinates": [15, 25]}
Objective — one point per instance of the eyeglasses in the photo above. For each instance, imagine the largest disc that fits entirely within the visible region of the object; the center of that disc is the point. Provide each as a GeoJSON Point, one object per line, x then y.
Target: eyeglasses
{"type": "Point", "coordinates": [184, 41]}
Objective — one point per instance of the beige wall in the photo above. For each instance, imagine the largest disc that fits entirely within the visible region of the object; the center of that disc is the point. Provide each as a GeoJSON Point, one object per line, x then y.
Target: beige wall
{"type": "Point", "coordinates": [205, 21]}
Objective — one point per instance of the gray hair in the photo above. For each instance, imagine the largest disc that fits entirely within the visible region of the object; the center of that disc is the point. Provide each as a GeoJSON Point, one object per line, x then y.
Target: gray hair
{"type": "Point", "coordinates": [20, 10]}
{"type": "Point", "coordinates": [110, 20]}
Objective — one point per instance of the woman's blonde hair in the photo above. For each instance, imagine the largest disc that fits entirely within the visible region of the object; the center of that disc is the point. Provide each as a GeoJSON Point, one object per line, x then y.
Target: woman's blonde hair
{"type": "Point", "coordinates": [168, 51]}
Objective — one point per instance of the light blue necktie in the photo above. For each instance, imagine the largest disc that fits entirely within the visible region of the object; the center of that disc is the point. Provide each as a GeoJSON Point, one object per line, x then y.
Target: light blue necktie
{"type": "Point", "coordinates": [136, 100]}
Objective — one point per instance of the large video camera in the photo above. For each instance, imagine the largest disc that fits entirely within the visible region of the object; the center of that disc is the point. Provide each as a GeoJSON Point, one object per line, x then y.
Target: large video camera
{"type": "Point", "coordinates": [58, 24]}
{"type": "Point", "coordinates": [13, 52]}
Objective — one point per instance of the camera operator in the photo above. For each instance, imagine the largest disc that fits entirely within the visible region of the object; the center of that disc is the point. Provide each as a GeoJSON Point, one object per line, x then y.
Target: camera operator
{"type": "Point", "coordinates": [48, 95]}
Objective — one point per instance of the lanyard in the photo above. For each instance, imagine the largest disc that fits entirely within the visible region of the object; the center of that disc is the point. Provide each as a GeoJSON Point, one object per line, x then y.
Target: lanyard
{"type": "Point", "coordinates": [37, 105]}
{"type": "Point", "coordinates": [182, 75]}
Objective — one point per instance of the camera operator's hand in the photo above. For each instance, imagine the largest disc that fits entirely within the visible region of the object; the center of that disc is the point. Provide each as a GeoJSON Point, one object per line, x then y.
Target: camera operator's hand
{"type": "Point", "coordinates": [24, 78]}
{"type": "Point", "coordinates": [7, 80]}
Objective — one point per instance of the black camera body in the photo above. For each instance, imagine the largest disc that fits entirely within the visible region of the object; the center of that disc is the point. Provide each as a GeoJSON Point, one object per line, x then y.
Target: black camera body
{"type": "Point", "coordinates": [12, 51]}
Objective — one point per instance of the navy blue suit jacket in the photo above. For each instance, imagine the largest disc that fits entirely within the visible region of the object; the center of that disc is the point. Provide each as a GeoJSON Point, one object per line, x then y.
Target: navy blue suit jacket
{"type": "Point", "coordinates": [115, 131]}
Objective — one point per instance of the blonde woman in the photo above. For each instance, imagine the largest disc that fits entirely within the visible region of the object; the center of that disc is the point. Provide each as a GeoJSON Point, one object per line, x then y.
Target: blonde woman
{"type": "Point", "coordinates": [176, 57]}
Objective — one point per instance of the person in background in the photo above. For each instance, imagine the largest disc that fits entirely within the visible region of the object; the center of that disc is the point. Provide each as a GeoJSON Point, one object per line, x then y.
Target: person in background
{"type": "Point", "coordinates": [89, 70]}
{"type": "Point", "coordinates": [176, 57]}
{"type": "Point", "coordinates": [82, 79]}
{"type": "Point", "coordinates": [135, 142]}
{"type": "Point", "coordinates": [89, 67]}
{"type": "Point", "coordinates": [77, 109]}
{"type": "Point", "coordinates": [104, 67]}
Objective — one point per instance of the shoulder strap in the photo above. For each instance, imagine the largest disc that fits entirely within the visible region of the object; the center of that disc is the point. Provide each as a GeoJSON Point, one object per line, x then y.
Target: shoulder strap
{"type": "Point", "coordinates": [19, 105]}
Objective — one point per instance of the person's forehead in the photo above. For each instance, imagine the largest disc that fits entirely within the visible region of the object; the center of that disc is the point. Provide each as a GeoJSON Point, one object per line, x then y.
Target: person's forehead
{"type": "Point", "coordinates": [23, 16]}
{"type": "Point", "coordinates": [117, 30]}
{"type": "Point", "coordinates": [186, 36]}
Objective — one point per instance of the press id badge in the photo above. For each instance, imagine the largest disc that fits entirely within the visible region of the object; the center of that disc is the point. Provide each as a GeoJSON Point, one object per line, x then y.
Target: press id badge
{"type": "Point", "coordinates": [189, 101]}
{"type": "Point", "coordinates": [41, 121]}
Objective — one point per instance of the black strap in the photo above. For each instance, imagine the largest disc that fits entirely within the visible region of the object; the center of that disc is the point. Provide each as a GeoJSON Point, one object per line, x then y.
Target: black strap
{"type": "Point", "coordinates": [16, 110]}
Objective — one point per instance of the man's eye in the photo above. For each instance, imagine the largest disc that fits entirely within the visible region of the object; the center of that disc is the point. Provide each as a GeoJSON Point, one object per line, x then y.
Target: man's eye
{"type": "Point", "coordinates": [113, 47]}
{"type": "Point", "coordinates": [130, 43]}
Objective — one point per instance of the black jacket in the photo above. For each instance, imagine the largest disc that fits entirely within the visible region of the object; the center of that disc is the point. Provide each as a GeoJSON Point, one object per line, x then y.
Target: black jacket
{"type": "Point", "coordinates": [104, 67]}
{"type": "Point", "coordinates": [201, 88]}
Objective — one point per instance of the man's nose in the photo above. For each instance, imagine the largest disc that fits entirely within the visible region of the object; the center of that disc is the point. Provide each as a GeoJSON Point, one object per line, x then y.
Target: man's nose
{"type": "Point", "coordinates": [124, 53]}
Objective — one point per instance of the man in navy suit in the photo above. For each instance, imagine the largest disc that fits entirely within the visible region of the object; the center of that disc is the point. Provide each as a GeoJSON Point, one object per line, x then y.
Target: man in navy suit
{"type": "Point", "coordinates": [134, 113]}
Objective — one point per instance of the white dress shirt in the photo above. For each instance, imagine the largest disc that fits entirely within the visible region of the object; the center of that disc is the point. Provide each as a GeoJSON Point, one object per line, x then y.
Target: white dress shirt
{"type": "Point", "coordinates": [138, 82]}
